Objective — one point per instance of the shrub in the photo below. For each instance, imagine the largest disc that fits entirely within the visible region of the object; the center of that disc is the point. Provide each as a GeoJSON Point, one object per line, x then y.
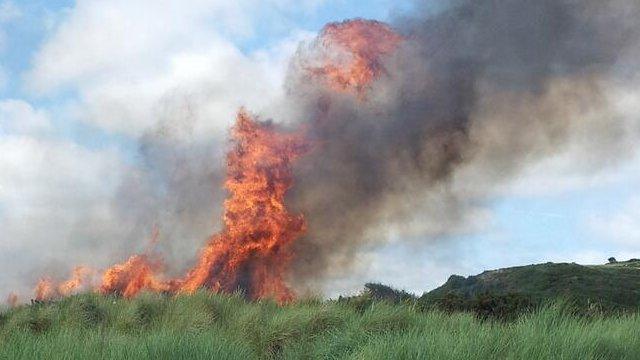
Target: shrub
{"type": "Point", "coordinates": [387, 293]}
{"type": "Point", "coordinates": [500, 307]}
{"type": "Point", "coordinates": [485, 306]}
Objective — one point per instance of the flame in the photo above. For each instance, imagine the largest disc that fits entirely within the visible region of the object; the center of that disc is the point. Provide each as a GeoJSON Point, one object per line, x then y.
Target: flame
{"type": "Point", "coordinates": [353, 51]}
{"type": "Point", "coordinates": [44, 289]}
{"type": "Point", "coordinates": [134, 275]}
{"type": "Point", "coordinates": [253, 251]}
{"type": "Point", "coordinates": [79, 278]}
{"type": "Point", "coordinates": [140, 272]}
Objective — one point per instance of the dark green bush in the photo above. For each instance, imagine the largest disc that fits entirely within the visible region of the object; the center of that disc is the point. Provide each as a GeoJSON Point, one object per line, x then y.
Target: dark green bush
{"type": "Point", "coordinates": [485, 306]}
{"type": "Point", "coordinates": [500, 307]}
{"type": "Point", "coordinates": [386, 293]}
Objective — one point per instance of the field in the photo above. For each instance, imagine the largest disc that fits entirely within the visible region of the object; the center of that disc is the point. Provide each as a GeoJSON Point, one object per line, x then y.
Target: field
{"type": "Point", "coordinates": [214, 326]}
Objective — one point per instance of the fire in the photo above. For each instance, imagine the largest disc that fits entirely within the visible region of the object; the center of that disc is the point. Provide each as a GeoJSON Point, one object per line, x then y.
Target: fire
{"type": "Point", "coordinates": [253, 251]}
{"type": "Point", "coordinates": [79, 278]}
{"type": "Point", "coordinates": [353, 51]}
{"type": "Point", "coordinates": [46, 289]}
{"type": "Point", "coordinates": [131, 277]}
{"type": "Point", "coordinates": [140, 272]}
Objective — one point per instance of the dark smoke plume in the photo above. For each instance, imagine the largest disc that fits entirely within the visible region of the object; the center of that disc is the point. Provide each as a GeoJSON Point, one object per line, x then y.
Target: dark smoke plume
{"type": "Point", "coordinates": [474, 94]}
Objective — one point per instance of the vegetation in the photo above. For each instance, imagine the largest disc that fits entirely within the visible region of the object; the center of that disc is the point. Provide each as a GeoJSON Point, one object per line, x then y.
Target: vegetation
{"type": "Point", "coordinates": [612, 287]}
{"type": "Point", "coordinates": [560, 311]}
{"type": "Point", "coordinates": [206, 326]}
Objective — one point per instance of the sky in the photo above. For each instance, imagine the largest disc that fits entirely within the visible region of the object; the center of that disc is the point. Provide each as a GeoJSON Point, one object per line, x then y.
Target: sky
{"type": "Point", "coordinates": [82, 82]}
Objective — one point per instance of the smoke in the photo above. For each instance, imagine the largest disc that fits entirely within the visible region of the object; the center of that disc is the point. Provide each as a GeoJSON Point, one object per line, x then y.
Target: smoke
{"type": "Point", "coordinates": [473, 95]}
{"type": "Point", "coordinates": [177, 188]}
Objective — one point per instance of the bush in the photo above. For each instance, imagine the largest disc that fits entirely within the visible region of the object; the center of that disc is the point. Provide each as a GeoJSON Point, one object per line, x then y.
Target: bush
{"type": "Point", "coordinates": [500, 307]}
{"type": "Point", "coordinates": [485, 306]}
{"type": "Point", "coordinates": [385, 293]}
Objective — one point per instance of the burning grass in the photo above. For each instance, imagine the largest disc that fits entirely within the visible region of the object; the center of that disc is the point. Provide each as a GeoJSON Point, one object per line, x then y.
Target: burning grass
{"type": "Point", "coordinates": [207, 325]}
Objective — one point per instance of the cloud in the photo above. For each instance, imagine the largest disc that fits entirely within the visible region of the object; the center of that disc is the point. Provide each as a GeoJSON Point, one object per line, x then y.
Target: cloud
{"type": "Point", "coordinates": [55, 200]}
{"type": "Point", "coordinates": [54, 208]}
{"type": "Point", "coordinates": [133, 64]}
{"type": "Point", "coordinates": [621, 227]}
{"type": "Point", "coordinates": [19, 117]}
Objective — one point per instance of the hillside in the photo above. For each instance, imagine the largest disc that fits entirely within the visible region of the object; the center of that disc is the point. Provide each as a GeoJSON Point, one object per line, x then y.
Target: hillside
{"type": "Point", "coordinates": [614, 285]}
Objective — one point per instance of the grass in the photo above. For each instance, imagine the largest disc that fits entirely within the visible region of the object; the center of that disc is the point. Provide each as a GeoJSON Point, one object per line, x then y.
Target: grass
{"type": "Point", "coordinates": [210, 326]}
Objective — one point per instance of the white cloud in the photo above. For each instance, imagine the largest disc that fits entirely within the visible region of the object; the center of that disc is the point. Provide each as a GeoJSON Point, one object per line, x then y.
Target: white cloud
{"type": "Point", "coordinates": [55, 199]}
{"type": "Point", "coordinates": [621, 227]}
{"type": "Point", "coordinates": [55, 209]}
{"type": "Point", "coordinates": [19, 117]}
{"type": "Point", "coordinates": [135, 63]}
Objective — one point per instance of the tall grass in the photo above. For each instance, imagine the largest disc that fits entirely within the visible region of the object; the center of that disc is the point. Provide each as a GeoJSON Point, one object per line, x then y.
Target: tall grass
{"type": "Point", "coordinates": [208, 326]}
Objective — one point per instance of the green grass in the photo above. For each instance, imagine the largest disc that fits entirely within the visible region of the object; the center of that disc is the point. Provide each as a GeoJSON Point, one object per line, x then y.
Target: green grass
{"type": "Point", "coordinates": [209, 326]}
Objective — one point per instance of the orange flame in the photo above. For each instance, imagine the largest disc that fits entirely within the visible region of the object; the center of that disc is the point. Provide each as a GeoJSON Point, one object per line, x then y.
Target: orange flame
{"type": "Point", "coordinates": [136, 274]}
{"type": "Point", "coordinates": [44, 289]}
{"type": "Point", "coordinates": [131, 277]}
{"type": "Point", "coordinates": [353, 52]}
{"type": "Point", "coordinates": [79, 279]}
{"type": "Point", "coordinates": [253, 251]}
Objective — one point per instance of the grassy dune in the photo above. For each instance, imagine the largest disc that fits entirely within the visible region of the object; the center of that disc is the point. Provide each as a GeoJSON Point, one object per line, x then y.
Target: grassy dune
{"type": "Point", "coordinates": [208, 326]}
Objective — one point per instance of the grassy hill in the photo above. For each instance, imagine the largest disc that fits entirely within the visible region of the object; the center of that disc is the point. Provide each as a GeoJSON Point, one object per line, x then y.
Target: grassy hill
{"type": "Point", "coordinates": [613, 286]}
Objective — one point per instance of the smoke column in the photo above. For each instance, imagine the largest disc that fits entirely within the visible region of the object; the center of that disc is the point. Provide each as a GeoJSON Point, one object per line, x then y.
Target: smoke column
{"type": "Point", "coordinates": [472, 95]}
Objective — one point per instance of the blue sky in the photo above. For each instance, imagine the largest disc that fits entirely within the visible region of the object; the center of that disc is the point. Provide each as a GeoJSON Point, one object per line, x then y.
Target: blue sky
{"type": "Point", "coordinates": [75, 100]}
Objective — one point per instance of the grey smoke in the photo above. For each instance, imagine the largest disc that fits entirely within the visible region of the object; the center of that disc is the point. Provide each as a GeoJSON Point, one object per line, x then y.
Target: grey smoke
{"type": "Point", "coordinates": [178, 188]}
{"type": "Point", "coordinates": [476, 93]}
